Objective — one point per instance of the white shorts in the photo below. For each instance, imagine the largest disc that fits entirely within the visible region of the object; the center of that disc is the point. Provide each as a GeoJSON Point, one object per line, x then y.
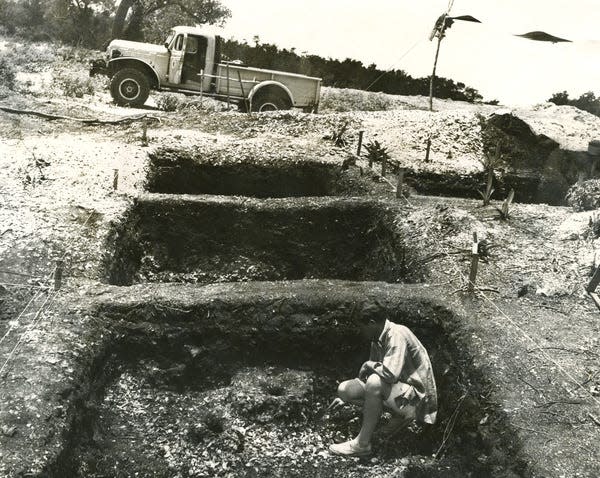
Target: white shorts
{"type": "Point", "coordinates": [401, 399]}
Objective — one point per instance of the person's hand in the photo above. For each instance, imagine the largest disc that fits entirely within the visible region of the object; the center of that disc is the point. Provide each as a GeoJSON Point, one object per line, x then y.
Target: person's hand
{"type": "Point", "coordinates": [337, 403]}
{"type": "Point", "coordinates": [365, 370]}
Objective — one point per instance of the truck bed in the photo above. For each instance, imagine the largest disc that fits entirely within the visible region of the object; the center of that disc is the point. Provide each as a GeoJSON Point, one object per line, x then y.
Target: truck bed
{"type": "Point", "coordinates": [242, 79]}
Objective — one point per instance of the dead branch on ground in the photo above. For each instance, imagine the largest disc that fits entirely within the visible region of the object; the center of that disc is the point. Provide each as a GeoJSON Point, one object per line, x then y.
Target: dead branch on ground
{"type": "Point", "coordinates": [90, 121]}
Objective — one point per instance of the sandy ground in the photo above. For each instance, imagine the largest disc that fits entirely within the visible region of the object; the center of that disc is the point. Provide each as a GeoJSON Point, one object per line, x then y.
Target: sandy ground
{"type": "Point", "coordinates": [537, 327]}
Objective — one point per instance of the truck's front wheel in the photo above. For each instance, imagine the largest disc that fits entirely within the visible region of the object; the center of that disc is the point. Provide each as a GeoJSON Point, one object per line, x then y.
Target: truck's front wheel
{"type": "Point", "coordinates": [129, 87]}
{"type": "Point", "coordinates": [269, 102]}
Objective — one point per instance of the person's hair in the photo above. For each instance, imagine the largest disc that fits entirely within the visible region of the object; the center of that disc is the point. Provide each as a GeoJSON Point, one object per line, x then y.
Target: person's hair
{"type": "Point", "coordinates": [371, 310]}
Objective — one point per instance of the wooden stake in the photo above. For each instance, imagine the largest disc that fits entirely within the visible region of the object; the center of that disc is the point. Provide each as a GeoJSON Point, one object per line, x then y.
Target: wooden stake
{"type": "Point", "coordinates": [115, 179]}
{"type": "Point", "coordinates": [360, 140]}
{"type": "Point", "coordinates": [474, 263]}
{"type": "Point", "coordinates": [144, 133]}
{"type": "Point", "coordinates": [383, 166]}
{"type": "Point", "coordinates": [58, 274]}
{"type": "Point", "coordinates": [428, 149]}
{"type": "Point", "coordinates": [227, 73]}
{"type": "Point", "coordinates": [201, 86]}
{"type": "Point", "coordinates": [400, 183]}
{"type": "Point", "coordinates": [594, 282]}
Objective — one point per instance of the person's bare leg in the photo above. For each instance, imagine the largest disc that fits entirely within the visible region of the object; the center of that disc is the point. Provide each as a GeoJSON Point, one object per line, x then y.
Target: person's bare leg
{"type": "Point", "coordinates": [375, 390]}
{"type": "Point", "coordinates": [352, 391]}
{"type": "Point", "coordinates": [399, 421]}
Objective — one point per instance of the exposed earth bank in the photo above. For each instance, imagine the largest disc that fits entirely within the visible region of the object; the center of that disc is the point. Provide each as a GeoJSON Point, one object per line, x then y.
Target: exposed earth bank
{"type": "Point", "coordinates": [99, 375]}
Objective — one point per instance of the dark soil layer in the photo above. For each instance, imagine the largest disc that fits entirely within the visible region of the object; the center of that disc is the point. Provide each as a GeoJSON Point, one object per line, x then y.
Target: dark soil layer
{"type": "Point", "coordinates": [175, 398]}
{"type": "Point", "coordinates": [529, 187]}
{"type": "Point", "coordinates": [181, 172]}
{"type": "Point", "coordinates": [170, 238]}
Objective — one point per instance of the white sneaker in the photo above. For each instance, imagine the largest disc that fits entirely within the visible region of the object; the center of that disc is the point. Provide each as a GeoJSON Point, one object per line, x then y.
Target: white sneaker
{"type": "Point", "coordinates": [350, 448]}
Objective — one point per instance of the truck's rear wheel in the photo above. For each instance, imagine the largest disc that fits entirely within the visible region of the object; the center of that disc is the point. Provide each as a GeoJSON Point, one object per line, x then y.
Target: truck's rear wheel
{"type": "Point", "coordinates": [269, 102]}
{"type": "Point", "coordinates": [129, 87]}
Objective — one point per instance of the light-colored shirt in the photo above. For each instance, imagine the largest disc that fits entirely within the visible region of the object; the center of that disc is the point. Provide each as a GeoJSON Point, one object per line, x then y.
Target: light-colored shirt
{"type": "Point", "coordinates": [400, 357]}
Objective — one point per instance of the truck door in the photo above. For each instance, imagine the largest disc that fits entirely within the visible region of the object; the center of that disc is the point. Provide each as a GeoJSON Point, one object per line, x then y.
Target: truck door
{"type": "Point", "coordinates": [176, 61]}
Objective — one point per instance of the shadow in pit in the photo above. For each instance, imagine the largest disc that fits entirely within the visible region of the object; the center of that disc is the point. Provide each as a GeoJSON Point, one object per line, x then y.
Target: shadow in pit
{"type": "Point", "coordinates": [203, 239]}
{"type": "Point", "coordinates": [182, 172]}
{"type": "Point", "coordinates": [175, 396]}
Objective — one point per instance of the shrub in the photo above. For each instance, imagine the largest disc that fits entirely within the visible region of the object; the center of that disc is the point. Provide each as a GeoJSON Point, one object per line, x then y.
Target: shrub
{"type": "Point", "coordinates": [338, 135]}
{"type": "Point", "coordinates": [584, 196]}
{"type": "Point", "coordinates": [29, 57]}
{"type": "Point", "coordinates": [7, 74]}
{"type": "Point", "coordinates": [74, 86]}
{"type": "Point", "coordinates": [169, 102]}
{"type": "Point", "coordinates": [376, 152]}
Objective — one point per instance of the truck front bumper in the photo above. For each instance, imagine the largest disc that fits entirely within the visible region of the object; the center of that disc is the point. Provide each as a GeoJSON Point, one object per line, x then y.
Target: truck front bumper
{"type": "Point", "coordinates": [99, 67]}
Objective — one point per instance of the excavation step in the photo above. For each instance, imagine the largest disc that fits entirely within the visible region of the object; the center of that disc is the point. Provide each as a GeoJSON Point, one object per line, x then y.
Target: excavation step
{"type": "Point", "coordinates": [203, 239]}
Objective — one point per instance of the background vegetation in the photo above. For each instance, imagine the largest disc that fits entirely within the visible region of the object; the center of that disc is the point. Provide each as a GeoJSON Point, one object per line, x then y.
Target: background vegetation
{"type": "Point", "coordinates": [344, 74]}
{"type": "Point", "coordinates": [586, 102]}
{"type": "Point", "coordinates": [93, 23]}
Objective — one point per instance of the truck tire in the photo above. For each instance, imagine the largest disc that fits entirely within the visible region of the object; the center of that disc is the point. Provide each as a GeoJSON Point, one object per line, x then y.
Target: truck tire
{"type": "Point", "coordinates": [270, 102]}
{"type": "Point", "coordinates": [129, 87]}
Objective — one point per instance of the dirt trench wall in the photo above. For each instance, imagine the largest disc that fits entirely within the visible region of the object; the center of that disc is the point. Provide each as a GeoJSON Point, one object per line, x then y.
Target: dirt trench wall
{"type": "Point", "coordinates": [188, 329]}
{"type": "Point", "coordinates": [205, 239]}
{"type": "Point", "coordinates": [533, 165]}
{"type": "Point", "coordinates": [187, 172]}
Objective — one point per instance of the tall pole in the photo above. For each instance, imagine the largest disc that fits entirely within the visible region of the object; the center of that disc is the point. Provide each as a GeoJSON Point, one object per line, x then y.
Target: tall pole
{"type": "Point", "coordinates": [440, 35]}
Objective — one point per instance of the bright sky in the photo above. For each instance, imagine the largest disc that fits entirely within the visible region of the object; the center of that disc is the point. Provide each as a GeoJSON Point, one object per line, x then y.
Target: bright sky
{"type": "Point", "coordinates": [484, 56]}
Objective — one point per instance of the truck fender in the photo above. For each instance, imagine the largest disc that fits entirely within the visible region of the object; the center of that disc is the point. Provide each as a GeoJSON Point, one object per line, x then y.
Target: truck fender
{"type": "Point", "coordinates": [271, 84]}
{"type": "Point", "coordinates": [118, 63]}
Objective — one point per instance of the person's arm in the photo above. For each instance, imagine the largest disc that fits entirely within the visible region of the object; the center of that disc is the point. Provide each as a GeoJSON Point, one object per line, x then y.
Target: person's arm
{"type": "Point", "coordinates": [366, 369]}
{"type": "Point", "coordinates": [390, 368]}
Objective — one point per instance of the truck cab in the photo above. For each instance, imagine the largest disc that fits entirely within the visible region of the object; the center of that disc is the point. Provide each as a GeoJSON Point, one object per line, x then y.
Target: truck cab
{"type": "Point", "coordinates": [193, 59]}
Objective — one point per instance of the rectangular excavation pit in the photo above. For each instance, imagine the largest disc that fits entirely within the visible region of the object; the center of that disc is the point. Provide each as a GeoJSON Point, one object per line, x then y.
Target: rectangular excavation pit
{"type": "Point", "coordinates": [204, 239]}
{"type": "Point", "coordinates": [180, 172]}
{"type": "Point", "coordinates": [233, 380]}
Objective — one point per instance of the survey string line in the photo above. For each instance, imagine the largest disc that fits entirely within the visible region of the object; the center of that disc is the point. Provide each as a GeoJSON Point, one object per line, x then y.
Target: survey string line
{"type": "Point", "coordinates": [538, 344]}
{"type": "Point", "coordinates": [15, 322]}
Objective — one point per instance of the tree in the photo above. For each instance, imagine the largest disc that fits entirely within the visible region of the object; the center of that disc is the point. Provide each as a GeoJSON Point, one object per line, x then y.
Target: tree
{"type": "Point", "coordinates": [561, 98]}
{"type": "Point", "coordinates": [158, 16]}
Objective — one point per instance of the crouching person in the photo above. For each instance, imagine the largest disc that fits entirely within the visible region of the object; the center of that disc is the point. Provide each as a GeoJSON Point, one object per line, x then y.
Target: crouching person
{"type": "Point", "coordinates": [398, 377]}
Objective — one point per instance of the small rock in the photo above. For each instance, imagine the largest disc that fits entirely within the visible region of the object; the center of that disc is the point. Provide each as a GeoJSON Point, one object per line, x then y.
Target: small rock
{"type": "Point", "coordinates": [405, 461]}
{"type": "Point", "coordinates": [8, 431]}
{"type": "Point", "coordinates": [523, 290]}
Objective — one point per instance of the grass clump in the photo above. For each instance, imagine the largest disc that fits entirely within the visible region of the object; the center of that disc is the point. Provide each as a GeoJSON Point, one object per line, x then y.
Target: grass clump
{"type": "Point", "coordinates": [338, 135]}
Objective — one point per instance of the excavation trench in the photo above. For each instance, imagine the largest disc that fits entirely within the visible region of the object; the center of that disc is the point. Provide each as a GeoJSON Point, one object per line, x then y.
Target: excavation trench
{"type": "Point", "coordinates": [529, 186]}
{"type": "Point", "coordinates": [181, 172]}
{"type": "Point", "coordinates": [233, 380]}
{"type": "Point", "coordinates": [205, 239]}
